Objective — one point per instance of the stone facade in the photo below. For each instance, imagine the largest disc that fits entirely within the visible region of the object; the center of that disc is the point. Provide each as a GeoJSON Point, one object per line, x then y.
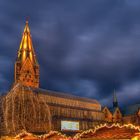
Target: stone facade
{"type": "Point", "coordinates": [128, 115]}
{"type": "Point", "coordinates": [108, 115]}
{"type": "Point", "coordinates": [112, 115]}
{"type": "Point", "coordinates": [39, 111]}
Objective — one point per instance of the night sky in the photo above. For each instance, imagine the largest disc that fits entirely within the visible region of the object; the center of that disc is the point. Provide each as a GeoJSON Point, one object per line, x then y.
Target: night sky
{"type": "Point", "coordinates": [84, 47]}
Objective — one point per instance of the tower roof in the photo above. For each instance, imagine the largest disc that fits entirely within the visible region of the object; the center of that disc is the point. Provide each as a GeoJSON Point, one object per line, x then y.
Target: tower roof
{"type": "Point", "coordinates": [26, 49]}
{"type": "Point", "coordinates": [115, 102]}
{"type": "Point", "coordinates": [114, 97]}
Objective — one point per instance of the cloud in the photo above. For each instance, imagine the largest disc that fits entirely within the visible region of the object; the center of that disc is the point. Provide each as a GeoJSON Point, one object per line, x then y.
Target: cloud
{"type": "Point", "coordinates": [86, 48]}
{"type": "Point", "coordinates": [130, 90]}
{"type": "Point", "coordinates": [5, 74]}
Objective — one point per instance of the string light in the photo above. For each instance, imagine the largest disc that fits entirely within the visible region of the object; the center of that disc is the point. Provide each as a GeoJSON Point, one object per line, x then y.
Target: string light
{"type": "Point", "coordinates": [93, 131]}
{"type": "Point", "coordinates": [79, 135]}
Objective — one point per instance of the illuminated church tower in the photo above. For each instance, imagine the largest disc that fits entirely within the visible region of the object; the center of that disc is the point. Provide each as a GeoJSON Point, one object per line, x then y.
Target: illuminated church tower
{"type": "Point", "coordinates": [26, 65]}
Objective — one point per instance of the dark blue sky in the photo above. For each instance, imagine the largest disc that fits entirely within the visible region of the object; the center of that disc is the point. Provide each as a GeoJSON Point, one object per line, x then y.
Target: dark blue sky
{"type": "Point", "coordinates": [84, 47]}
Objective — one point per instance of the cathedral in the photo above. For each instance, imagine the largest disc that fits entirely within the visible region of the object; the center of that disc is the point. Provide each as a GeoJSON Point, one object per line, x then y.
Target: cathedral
{"type": "Point", "coordinates": [28, 107]}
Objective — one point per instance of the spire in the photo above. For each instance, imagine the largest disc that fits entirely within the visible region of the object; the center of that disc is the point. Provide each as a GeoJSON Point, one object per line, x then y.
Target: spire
{"type": "Point", "coordinates": [115, 102]}
{"type": "Point", "coordinates": [114, 96]}
{"type": "Point", "coordinates": [26, 47]}
{"type": "Point", "coordinates": [26, 66]}
{"type": "Point", "coordinates": [26, 29]}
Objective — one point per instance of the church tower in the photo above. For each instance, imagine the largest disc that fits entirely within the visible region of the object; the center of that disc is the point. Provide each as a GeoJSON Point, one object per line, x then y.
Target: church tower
{"type": "Point", "coordinates": [115, 102]}
{"type": "Point", "coordinates": [26, 65]}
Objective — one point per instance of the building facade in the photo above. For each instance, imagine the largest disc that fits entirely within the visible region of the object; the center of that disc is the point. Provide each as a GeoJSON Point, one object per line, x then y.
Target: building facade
{"type": "Point", "coordinates": [126, 115]}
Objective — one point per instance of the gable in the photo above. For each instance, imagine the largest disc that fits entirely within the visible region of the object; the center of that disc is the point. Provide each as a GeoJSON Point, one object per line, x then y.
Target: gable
{"type": "Point", "coordinates": [27, 66]}
{"type": "Point", "coordinates": [117, 113]}
{"type": "Point", "coordinates": [27, 73]}
{"type": "Point", "coordinates": [107, 112]}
